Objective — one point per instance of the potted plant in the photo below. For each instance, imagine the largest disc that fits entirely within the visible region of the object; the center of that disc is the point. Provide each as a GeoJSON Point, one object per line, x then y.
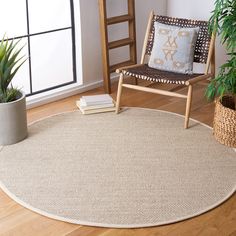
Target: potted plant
{"type": "Point", "coordinates": [223, 86]}
{"type": "Point", "coordinates": [13, 127]}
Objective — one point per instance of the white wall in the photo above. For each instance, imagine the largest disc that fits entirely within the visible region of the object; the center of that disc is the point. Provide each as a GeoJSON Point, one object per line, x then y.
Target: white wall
{"type": "Point", "coordinates": [143, 9]}
{"type": "Point", "coordinates": [199, 10]}
{"type": "Point", "coordinates": [91, 44]}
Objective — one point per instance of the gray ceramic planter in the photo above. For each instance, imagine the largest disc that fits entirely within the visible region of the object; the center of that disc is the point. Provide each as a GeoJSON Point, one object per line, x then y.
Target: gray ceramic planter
{"type": "Point", "coordinates": [13, 121]}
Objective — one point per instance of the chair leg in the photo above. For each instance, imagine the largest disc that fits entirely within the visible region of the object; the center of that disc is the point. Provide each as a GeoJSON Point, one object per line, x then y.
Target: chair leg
{"type": "Point", "coordinates": [119, 93]}
{"type": "Point", "coordinates": [188, 106]}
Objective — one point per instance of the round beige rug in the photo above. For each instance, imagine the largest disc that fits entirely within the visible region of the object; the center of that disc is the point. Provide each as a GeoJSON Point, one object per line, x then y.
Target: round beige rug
{"type": "Point", "coordinates": [136, 169]}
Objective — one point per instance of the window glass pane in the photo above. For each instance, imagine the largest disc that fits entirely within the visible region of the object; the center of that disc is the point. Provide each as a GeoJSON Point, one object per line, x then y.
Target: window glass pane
{"type": "Point", "coordinates": [21, 79]}
{"type": "Point", "coordinates": [13, 20]}
{"type": "Point", "coordinates": [51, 53]}
{"type": "Point", "coordinates": [51, 59]}
{"type": "Point", "coordinates": [47, 15]}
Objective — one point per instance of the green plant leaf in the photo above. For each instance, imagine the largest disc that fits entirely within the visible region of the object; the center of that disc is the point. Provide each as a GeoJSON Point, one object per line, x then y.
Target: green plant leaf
{"type": "Point", "coordinates": [10, 63]}
{"type": "Point", "coordinates": [223, 23]}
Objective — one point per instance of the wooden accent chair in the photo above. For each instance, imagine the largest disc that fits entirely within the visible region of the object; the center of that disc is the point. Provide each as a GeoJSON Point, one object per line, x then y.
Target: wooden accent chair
{"type": "Point", "coordinates": [204, 53]}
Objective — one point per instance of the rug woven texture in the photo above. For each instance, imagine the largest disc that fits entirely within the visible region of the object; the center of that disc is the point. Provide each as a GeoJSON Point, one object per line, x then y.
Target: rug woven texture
{"type": "Point", "coordinates": [139, 168]}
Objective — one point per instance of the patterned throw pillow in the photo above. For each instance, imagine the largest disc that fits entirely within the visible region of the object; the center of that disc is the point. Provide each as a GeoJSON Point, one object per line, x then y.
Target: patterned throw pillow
{"type": "Point", "coordinates": [173, 48]}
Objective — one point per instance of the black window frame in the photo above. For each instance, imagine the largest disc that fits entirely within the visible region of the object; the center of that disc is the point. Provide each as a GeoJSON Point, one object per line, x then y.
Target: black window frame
{"type": "Point", "coordinates": [28, 36]}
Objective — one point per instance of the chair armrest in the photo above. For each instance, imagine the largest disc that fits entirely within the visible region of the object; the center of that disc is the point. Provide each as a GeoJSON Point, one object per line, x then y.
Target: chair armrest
{"type": "Point", "coordinates": [127, 67]}
{"type": "Point", "coordinates": [197, 79]}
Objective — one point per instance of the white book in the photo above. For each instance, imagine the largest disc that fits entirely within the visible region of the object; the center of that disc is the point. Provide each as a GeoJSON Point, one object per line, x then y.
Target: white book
{"type": "Point", "coordinates": [94, 111]}
{"type": "Point", "coordinates": [82, 104]}
{"type": "Point", "coordinates": [97, 99]}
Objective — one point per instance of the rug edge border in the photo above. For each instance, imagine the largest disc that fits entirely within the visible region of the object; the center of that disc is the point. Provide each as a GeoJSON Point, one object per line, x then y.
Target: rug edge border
{"type": "Point", "coordinates": [106, 225]}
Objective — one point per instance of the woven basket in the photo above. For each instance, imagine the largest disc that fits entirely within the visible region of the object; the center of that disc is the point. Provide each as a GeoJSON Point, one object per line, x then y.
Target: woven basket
{"type": "Point", "coordinates": [224, 125]}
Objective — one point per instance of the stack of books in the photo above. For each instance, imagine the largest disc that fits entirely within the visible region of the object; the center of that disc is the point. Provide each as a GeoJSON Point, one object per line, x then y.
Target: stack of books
{"type": "Point", "coordinates": [96, 104]}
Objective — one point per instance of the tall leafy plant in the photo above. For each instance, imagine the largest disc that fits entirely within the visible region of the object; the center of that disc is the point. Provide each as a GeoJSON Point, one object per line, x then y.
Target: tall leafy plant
{"type": "Point", "coordinates": [10, 62]}
{"type": "Point", "coordinates": [223, 23]}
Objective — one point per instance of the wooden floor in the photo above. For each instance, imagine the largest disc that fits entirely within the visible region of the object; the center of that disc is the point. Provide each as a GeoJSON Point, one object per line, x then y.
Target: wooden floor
{"type": "Point", "coordinates": [18, 221]}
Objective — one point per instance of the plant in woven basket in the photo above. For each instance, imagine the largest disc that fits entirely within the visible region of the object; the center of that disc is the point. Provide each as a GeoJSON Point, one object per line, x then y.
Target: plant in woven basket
{"type": "Point", "coordinates": [223, 23]}
{"type": "Point", "coordinates": [10, 62]}
{"type": "Point", "coordinates": [223, 86]}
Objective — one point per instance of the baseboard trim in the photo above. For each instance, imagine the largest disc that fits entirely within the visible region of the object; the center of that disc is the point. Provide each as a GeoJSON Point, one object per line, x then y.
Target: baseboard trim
{"type": "Point", "coordinates": [61, 93]}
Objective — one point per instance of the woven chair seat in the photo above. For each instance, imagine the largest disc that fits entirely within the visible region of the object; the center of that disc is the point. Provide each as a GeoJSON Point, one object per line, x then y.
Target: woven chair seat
{"type": "Point", "coordinates": [147, 73]}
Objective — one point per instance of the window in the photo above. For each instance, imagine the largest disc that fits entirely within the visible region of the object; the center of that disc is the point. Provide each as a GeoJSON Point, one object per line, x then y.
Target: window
{"type": "Point", "coordinates": [47, 30]}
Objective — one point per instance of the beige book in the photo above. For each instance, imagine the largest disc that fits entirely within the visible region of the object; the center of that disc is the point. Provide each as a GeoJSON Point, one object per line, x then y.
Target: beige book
{"type": "Point", "coordinates": [94, 111]}
{"type": "Point", "coordinates": [85, 108]}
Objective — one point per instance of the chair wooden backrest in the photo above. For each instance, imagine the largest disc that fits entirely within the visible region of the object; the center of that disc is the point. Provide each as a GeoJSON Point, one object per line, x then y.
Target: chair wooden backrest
{"type": "Point", "coordinates": [204, 47]}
